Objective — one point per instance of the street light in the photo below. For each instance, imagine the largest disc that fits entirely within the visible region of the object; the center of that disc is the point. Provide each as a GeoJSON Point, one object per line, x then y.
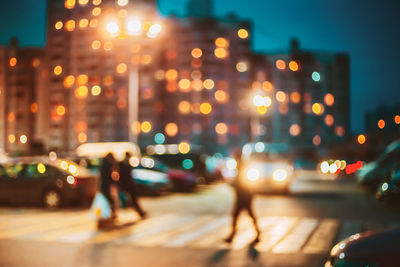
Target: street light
{"type": "Point", "coordinates": [261, 103]}
{"type": "Point", "coordinates": [134, 27]}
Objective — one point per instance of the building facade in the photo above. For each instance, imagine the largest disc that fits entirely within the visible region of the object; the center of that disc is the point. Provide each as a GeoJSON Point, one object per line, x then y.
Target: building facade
{"type": "Point", "coordinates": [312, 97]}
{"type": "Point", "coordinates": [19, 81]}
{"type": "Point", "coordinates": [95, 51]}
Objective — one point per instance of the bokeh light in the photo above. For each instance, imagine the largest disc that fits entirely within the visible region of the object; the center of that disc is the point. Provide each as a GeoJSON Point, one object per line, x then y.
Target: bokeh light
{"type": "Point", "coordinates": [205, 108]}
{"type": "Point", "coordinates": [184, 148]}
{"type": "Point", "coordinates": [318, 108]}
{"type": "Point", "coordinates": [381, 124]}
{"type": "Point", "coordinates": [221, 128]}
{"type": "Point", "coordinates": [171, 129]}
{"type": "Point", "coordinates": [361, 139]}
{"type": "Point", "coordinates": [295, 130]}
{"type": "Point", "coordinates": [329, 99]}
{"type": "Point", "coordinates": [280, 64]}
{"type": "Point", "coordinates": [293, 66]}
{"type": "Point", "coordinates": [197, 53]}
{"type": "Point", "coordinates": [145, 127]}
{"type": "Point", "coordinates": [243, 33]}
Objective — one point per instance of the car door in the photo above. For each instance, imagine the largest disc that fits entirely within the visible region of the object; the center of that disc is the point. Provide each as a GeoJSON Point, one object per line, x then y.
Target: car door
{"type": "Point", "coordinates": [32, 180]}
{"type": "Point", "coordinates": [4, 185]}
{"type": "Point", "coordinates": [10, 183]}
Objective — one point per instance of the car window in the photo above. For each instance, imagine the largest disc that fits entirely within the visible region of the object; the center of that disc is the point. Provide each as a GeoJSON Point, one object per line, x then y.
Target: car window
{"type": "Point", "coordinates": [33, 171]}
{"type": "Point", "coordinates": [12, 171]}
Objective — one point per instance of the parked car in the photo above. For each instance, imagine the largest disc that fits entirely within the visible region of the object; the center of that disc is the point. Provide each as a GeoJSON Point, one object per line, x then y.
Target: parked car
{"type": "Point", "coordinates": [182, 180]}
{"type": "Point", "coordinates": [376, 172]}
{"type": "Point", "coordinates": [150, 181]}
{"type": "Point", "coordinates": [52, 183]}
{"type": "Point", "coordinates": [267, 167]}
{"type": "Point", "coordinates": [373, 249]}
{"type": "Point", "coordinates": [389, 192]}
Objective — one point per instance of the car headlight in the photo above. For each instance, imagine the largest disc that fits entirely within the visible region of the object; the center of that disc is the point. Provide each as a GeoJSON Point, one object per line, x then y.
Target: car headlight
{"type": "Point", "coordinates": [253, 174]}
{"type": "Point", "coordinates": [279, 175]}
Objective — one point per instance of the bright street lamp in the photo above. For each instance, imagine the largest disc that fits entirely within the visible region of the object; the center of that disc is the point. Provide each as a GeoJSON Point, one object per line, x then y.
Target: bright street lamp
{"type": "Point", "coordinates": [121, 28]}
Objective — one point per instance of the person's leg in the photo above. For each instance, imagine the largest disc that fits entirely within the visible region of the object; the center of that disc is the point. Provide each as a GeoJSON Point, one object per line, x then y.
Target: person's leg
{"type": "Point", "coordinates": [235, 216]}
{"type": "Point", "coordinates": [135, 203]}
{"type": "Point", "coordinates": [253, 217]}
{"type": "Point", "coordinates": [107, 193]}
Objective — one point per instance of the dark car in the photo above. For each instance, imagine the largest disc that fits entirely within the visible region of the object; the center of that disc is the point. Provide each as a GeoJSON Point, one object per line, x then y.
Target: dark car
{"type": "Point", "coordinates": [182, 180]}
{"type": "Point", "coordinates": [52, 183]}
{"type": "Point", "coordinates": [372, 249]}
{"type": "Point", "coordinates": [389, 192]}
{"type": "Point", "coordinates": [376, 172]}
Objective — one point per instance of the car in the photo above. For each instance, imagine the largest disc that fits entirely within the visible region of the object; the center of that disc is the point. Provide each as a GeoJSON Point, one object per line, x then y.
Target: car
{"type": "Point", "coordinates": [267, 167]}
{"type": "Point", "coordinates": [192, 160]}
{"type": "Point", "coordinates": [150, 181]}
{"type": "Point", "coordinates": [182, 180]}
{"type": "Point", "coordinates": [379, 248]}
{"type": "Point", "coordinates": [52, 183]}
{"type": "Point", "coordinates": [376, 172]}
{"type": "Point", "coordinates": [389, 192]}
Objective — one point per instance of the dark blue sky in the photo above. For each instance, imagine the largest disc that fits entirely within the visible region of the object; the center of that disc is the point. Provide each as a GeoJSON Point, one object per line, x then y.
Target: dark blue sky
{"type": "Point", "coordinates": [368, 30]}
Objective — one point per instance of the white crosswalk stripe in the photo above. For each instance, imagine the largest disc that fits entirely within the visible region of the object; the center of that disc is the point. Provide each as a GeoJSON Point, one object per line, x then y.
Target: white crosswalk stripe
{"type": "Point", "coordinates": [279, 234]}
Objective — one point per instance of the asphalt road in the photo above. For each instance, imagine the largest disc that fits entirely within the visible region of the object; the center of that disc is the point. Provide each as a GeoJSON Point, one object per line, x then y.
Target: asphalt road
{"type": "Point", "coordinates": [187, 229]}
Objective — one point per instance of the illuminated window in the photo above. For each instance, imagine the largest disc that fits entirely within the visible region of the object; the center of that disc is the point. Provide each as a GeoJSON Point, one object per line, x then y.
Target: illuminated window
{"type": "Point", "coordinates": [241, 66]}
{"type": "Point", "coordinates": [316, 140]}
{"type": "Point", "coordinates": [13, 62]}
{"type": "Point", "coordinates": [69, 81]}
{"type": "Point", "coordinates": [205, 108]}
{"type": "Point", "coordinates": [295, 97]}
{"type": "Point", "coordinates": [171, 75]}
{"type": "Point", "coordinates": [122, 2]}
{"type": "Point", "coordinates": [318, 108]}
{"type": "Point", "coordinates": [82, 137]}
{"type": "Point", "coordinates": [145, 127]}
{"type": "Point", "coordinates": [69, 4]}
{"type": "Point", "coordinates": [60, 110]}
{"type": "Point", "coordinates": [361, 139]}
{"type": "Point", "coordinates": [58, 25]}
{"type": "Point", "coordinates": [82, 79]}
{"type": "Point", "coordinates": [121, 68]}
{"type": "Point", "coordinates": [329, 99]}
{"type": "Point", "coordinates": [184, 84]}
{"type": "Point", "coordinates": [83, 2]}
{"type": "Point", "coordinates": [293, 66]}
{"type": "Point", "coordinates": [220, 96]}
{"type": "Point", "coordinates": [11, 138]}
{"type": "Point", "coordinates": [96, 90]}
{"type": "Point", "coordinates": [243, 33]}
{"type": "Point", "coordinates": [184, 107]}
{"type": "Point", "coordinates": [221, 42]}
{"type": "Point", "coordinates": [221, 128]}
{"type": "Point", "coordinates": [108, 46]}
{"type": "Point", "coordinates": [208, 84]}
{"type": "Point", "coordinates": [36, 63]}
{"type": "Point", "coordinates": [197, 53]}
{"type": "Point", "coordinates": [280, 96]}
{"type": "Point", "coordinates": [57, 70]}
{"type": "Point", "coordinates": [96, 11]}
{"type": "Point", "coordinates": [96, 2]}
{"type": "Point", "coordinates": [316, 76]}
{"type": "Point", "coordinates": [221, 53]}
{"type": "Point", "coordinates": [93, 23]}
{"type": "Point", "coordinates": [171, 129]}
{"type": "Point", "coordinates": [83, 23]}
{"type": "Point", "coordinates": [329, 120]}
{"type": "Point", "coordinates": [267, 86]}
{"type": "Point", "coordinates": [397, 119]}
{"type": "Point", "coordinates": [197, 85]}
{"type": "Point", "coordinates": [81, 92]}
{"type": "Point", "coordinates": [280, 64]}
{"type": "Point", "coordinates": [381, 124]}
{"type": "Point", "coordinates": [96, 44]}
{"type": "Point", "coordinates": [295, 130]}
{"type": "Point", "coordinates": [34, 107]}
{"type": "Point", "coordinates": [146, 59]}
{"type": "Point", "coordinates": [70, 25]}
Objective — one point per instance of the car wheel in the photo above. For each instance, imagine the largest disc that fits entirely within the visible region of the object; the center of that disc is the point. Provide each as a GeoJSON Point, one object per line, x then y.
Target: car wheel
{"type": "Point", "coordinates": [52, 199]}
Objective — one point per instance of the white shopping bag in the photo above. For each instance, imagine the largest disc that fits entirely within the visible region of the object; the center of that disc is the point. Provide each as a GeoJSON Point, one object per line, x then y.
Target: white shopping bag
{"type": "Point", "coordinates": [100, 208]}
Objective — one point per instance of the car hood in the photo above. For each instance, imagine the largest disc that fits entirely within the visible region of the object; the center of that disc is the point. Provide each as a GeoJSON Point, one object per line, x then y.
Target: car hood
{"type": "Point", "coordinates": [370, 247]}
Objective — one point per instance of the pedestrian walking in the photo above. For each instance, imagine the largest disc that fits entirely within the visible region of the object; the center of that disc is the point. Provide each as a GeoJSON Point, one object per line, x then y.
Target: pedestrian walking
{"type": "Point", "coordinates": [243, 202]}
{"type": "Point", "coordinates": [107, 168]}
{"type": "Point", "coordinates": [127, 183]}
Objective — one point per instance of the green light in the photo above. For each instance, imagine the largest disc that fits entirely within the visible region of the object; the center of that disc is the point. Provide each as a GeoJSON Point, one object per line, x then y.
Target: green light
{"type": "Point", "coordinates": [316, 76]}
{"type": "Point", "coordinates": [159, 138]}
{"type": "Point", "coordinates": [187, 164]}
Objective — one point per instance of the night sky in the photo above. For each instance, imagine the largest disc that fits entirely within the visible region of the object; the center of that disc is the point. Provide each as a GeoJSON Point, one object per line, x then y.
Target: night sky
{"type": "Point", "coordinates": [368, 30]}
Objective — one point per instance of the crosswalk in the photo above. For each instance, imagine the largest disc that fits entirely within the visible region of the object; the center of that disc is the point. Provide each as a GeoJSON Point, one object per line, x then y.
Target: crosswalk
{"type": "Point", "coordinates": [280, 234]}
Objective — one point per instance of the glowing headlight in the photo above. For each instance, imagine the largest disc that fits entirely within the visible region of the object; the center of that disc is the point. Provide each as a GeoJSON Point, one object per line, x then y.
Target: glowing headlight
{"type": "Point", "coordinates": [253, 174]}
{"type": "Point", "coordinates": [279, 175]}
{"type": "Point", "coordinates": [71, 179]}
{"type": "Point", "coordinates": [385, 186]}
